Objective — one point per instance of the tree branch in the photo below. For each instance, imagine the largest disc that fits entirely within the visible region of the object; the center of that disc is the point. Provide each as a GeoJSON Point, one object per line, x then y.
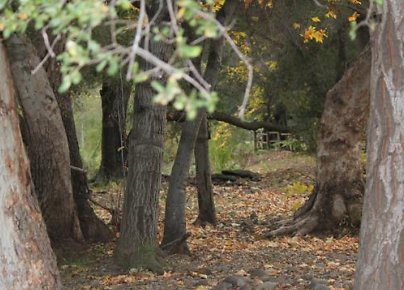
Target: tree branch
{"type": "Point", "coordinates": [232, 120]}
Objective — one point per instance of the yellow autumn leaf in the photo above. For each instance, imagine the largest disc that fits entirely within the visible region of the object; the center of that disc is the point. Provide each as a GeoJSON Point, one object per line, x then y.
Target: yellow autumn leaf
{"type": "Point", "coordinates": [331, 14]}
{"type": "Point", "coordinates": [22, 16]}
{"type": "Point", "coordinates": [353, 17]}
{"type": "Point", "coordinates": [315, 19]}
{"type": "Point", "coordinates": [355, 2]}
{"type": "Point", "coordinates": [180, 13]}
{"type": "Point", "coordinates": [296, 25]}
{"type": "Point", "coordinates": [312, 33]}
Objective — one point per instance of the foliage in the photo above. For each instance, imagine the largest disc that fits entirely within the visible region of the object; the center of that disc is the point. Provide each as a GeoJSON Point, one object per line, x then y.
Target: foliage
{"type": "Point", "coordinates": [229, 147]}
{"type": "Point", "coordinates": [76, 21]}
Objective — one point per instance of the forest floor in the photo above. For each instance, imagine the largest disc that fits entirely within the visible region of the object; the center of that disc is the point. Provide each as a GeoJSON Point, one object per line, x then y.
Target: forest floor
{"type": "Point", "coordinates": [235, 250]}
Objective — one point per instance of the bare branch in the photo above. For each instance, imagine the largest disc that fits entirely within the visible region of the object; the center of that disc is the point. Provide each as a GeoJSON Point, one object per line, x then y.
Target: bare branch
{"type": "Point", "coordinates": [244, 58]}
{"type": "Point", "coordinates": [136, 41]}
{"type": "Point", "coordinates": [49, 48]}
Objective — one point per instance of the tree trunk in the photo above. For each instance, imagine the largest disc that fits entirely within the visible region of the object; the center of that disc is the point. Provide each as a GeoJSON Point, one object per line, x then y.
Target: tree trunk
{"type": "Point", "coordinates": [46, 141]}
{"type": "Point", "coordinates": [93, 229]}
{"type": "Point", "coordinates": [175, 219]}
{"type": "Point", "coordinates": [137, 245]}
{"type": "Point", "coordinates": [174, 238]}
{"type": "Point", "coordinates": [27, 260]}
{"type": "Point", "coordinates": [114, 97]}
{"type": "Point", "coordinates": [337, 197]}
{"type": "Point", "coordinates": [206, 204]}
{"type": "Point", "coordinates": [381, 251]}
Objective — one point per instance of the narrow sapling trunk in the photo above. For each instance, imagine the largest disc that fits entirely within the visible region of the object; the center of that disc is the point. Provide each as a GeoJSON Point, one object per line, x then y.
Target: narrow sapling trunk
{"type": "Point", "coordinates": [337, 197]}
{"type": "Point", "coordinates": [206, 204]}
{"type": "Point", "coordinates": [45, 138]}
{"type": "Point", "coordinates": [137, 245]}
{"type": "Point", "coordinates": [174, 239]}
{"type": "Point", "coordinates": [27, 260]}
{"type": "Point", "coordinates": [381, 251]}
{"type": "Point", "coordinates": [93, 228]}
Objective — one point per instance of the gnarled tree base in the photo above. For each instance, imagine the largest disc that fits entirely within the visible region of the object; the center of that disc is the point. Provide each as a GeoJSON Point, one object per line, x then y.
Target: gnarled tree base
{"type": "Point", "coordinates": [145, 257]}
{"type": "Point", "coordinates": [321, 213]}
{"type": "Point", "coordinates": [178, 246]}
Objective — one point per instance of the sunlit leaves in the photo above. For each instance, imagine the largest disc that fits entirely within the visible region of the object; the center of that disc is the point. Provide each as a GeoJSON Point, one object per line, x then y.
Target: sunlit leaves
{"type": "Point", "coordinates": [313, 33]}
{"type": "Point", "coordinates": [353, 17]}
{"type": "Point", "coordinates": [76, 20]}
{"type": "Point", "coordinates": [315, 19]}
{"type": "Point", "coordinates": [331, 14]}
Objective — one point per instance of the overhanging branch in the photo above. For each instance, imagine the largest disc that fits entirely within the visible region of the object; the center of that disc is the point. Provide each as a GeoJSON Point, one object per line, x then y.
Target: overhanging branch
{"type": "Point", "coordinates": [232, 120]}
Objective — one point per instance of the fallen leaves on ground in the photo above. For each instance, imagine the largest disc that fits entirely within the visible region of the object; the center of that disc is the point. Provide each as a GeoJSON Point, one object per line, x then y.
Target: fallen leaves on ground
{"type": "Point", "coordinates": [234, 247]}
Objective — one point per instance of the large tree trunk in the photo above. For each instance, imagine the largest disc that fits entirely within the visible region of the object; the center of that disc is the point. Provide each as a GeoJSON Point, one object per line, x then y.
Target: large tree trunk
{"type": "Point", "coordinates": [337, 197]}
{"type": "Point", "coordinates": [114, 97]}
{"type": "Point", "coordinates": [46, 141]}
{"type": "Point", "coordinates": [137, 245]}
{"type": "Point", "coordinates": [174, 239]}
{"type": "Point", "coordinates": [93, 228]}
{"type": "Point", "coordinates": [381, 251]}
{"type": "Point", "coordinates": [27, 260]}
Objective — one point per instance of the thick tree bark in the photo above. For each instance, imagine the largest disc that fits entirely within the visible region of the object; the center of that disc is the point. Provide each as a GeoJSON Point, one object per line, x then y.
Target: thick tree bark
{"type": "Point", "coordinates": [93, 228]}
{"type": "Point", "coordinates": [137, 245]}
{"type": "Point", "coordinates": [27, 260]}
{"type": "Point", "coordinates": [337, 197]}
{"type": "Point", "coordinates": [46, 141]}
{"type": "Point", "coordinates": [381, 251]}
{"type": "Point", "coordinates": [114, 96]}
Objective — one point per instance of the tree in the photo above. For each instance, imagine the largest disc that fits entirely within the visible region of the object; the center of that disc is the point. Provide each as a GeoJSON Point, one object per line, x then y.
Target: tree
{"type": "Point", "coordinates": [337, 196]}
{"type": "Point", "coordinates": [45, 138]}
{"type": "Point", "coordinates": [93, 228]}
{"type": "Point", "coordinates": [381, 251]}
{"type": "Point", "coordinates": [27, 260]}
{"type": "Point", "coordinates": [137, 244]}
{"type": "Point", "coordinates": [174, 238]}
{"type": "Point", "coordinates": [115, 94]}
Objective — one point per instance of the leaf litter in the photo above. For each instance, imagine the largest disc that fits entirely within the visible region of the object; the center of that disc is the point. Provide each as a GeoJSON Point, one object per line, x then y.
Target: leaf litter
{"type": "Point", "coordinates": [235, 247]}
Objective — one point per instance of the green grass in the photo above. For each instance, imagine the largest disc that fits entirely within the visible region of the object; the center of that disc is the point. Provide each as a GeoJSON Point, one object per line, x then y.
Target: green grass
{"type": "Point", "coordinates": [88, 119]}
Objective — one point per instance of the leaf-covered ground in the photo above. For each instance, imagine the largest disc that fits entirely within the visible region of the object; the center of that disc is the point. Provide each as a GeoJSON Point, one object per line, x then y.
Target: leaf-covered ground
{"type": "Point", "coordinates": [235, 248]}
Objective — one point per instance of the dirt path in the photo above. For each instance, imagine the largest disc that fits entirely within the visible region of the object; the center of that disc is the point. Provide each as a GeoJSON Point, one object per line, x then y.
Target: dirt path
{"type": "Point", "coordinates": [235, 248]}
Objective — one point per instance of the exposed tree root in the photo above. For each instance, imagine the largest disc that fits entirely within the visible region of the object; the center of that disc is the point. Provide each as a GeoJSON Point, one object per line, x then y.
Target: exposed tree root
{"type": "Point", "coordinates": [202, 222]}
{"type": "Point", "coordinates": [299, 227]}
{"type": "Point", "coordinates": [178, 246]}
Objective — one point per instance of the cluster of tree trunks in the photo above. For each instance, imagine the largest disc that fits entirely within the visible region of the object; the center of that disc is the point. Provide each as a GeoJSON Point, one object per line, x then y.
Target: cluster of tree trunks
{"type": "Point", "coordinates": [93, 229]}
{"type": "Point", "coordinates": [44, 135]}
{"type": "Point", "coordinates": [27, 260]}
{"type": "Point", "coordinates": [195, 136]}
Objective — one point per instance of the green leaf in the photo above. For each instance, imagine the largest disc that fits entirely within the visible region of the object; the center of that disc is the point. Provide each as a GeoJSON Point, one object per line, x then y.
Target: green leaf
{"type": "Point", "coordinates": [352, 31]}
{"type": "Point", "coordinates": [159, 88]}
{"type": "Point", "coordinates": [188, 51]}
{"type": "Point", "coordinates": [66, 83]}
